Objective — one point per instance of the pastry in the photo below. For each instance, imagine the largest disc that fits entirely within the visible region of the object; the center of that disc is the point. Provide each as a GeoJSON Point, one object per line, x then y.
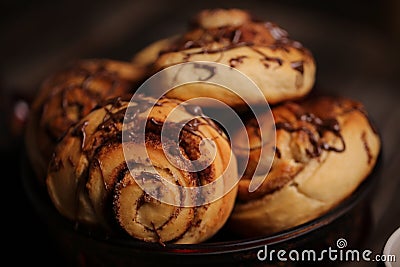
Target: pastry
{"type": "Point", "coordinates": [68, 95]}
{"type": "Point", "coordinates": [282, 68]}
{"type": "Point", "coordinates": [93, 181]}
{"type": "Point", "coordinates": [107, 164]}
{"type": "Point", "coordinates": [325, 147]}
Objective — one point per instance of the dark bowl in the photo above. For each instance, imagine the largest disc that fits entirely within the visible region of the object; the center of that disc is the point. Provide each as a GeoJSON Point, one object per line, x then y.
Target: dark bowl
{"type": "Point", "coordinates": [351, 220]}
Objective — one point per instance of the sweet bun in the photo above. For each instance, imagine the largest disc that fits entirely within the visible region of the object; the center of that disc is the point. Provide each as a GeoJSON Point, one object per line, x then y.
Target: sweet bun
{"type": "Point", "coordinates": [68, 95]}
{"type": "Point", "coordinates": [325, 148]}
{"type": "Point", "coordinates": [91, 181]}
{"type": "Point", "coordinates": [282, 68]}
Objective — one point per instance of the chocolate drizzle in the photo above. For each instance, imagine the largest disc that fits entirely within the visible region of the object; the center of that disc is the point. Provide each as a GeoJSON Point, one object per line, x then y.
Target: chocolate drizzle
{"type": "Point", "coordinates": [79, 131]}
{"type": "Point", "coordinates": [273, 59]}
{"type": "Point", "coordinates": [207, 67]}
{"type": "Point", "coordinates": [251, 34]}
{"type": "Point", "coordinates": [233, 62]}
{"type": "Point", "coordinates": [236, 36]}
{"type": "Point", "coordinates": [75, 92]}
{"type": "Point", "coordinates": [366, 147]}
{"type": "Point", "coordinates": [278, 152]}
{"type": "Point", "coordinates": [194, 110]}
{"type": "Point", "coordinates": [321, 126]}
{"type": "Point", "coordinates": [298, 65]}
{"type": "Point", "coordinates": [266, 59]}
{"type": "Point", "coordinates": [277, 32]}
{"type": "Point", "coordinates": [198, 112]}
{"type": "Point", "coordinates": [215, 50]}
{"type": "Point", "coordinates": [149, 176]}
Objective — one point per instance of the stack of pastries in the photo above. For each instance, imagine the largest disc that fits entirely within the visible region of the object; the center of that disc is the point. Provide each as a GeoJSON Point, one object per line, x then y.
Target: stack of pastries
{"type": "Point", "coordinates": [325, 145]}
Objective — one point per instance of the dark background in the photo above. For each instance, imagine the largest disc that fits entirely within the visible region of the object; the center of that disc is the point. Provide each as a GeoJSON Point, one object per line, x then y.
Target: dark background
{"type": "Point", "coordinates": [355, 44]}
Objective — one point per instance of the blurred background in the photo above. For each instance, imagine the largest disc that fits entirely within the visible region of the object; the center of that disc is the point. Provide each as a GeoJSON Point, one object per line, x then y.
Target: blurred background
{"type": "Point", "coordinates": [355, 44]}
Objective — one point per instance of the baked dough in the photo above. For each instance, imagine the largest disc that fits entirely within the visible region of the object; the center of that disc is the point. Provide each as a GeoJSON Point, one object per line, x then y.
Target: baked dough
{"type": "Point", "coordinates": [90, 183]}
{"type": "Point", "coordinates": [325, 148]}
{"type": "Point", "coordinates": [68, 95]}
{"type": "Point", "coordinates": [282, 68]}
{"type": "Point", "coordinates": [146, 56]}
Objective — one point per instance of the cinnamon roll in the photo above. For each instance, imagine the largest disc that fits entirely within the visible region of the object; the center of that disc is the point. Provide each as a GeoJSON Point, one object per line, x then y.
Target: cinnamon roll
{"type": "Point", "coordinates": [325, 148]}
{"type": "Point", "coordinates": [101, 180]}
{"type": "Point", "coordinates": [282, 68]}
{"type": "Point", "coordinates": [68, 95]}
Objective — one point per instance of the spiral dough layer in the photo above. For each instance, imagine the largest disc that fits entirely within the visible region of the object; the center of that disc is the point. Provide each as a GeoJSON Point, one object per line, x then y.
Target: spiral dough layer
{"type": "Point", "coordinates": [325, 148]}
{"type": "Point", "coordinates": [92, 181]}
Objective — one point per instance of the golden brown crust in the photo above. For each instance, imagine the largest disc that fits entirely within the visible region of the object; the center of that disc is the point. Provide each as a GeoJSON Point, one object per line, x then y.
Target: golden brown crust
{"type": "Point", "coordinates": [282, 68]}
{"type": "Point", "coordinates": [146, 56]}
{"type": "Point", "coordinates": [217, 18]}
{"type": "Point", "coordinates": [89, 180]}
{"type": "Point", "coordinates": [70, 94]}
{"type": "Point", "coordinates": [325, 148]}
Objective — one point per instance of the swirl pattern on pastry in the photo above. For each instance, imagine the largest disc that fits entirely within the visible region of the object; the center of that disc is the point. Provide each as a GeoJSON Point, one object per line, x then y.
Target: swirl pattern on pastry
{"type": "Point", "coordinates": [325, 148]}
{"type": "Point", "coordinates": [283, 69]}
{"type": "Point", "coordinates": [70, 94]}
{"type": "Point", "coordinates": [91, 180]}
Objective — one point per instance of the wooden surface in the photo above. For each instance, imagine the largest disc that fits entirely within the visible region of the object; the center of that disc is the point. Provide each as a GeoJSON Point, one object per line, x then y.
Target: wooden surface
{"type": "Point", "coordinates": [356, 52]}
